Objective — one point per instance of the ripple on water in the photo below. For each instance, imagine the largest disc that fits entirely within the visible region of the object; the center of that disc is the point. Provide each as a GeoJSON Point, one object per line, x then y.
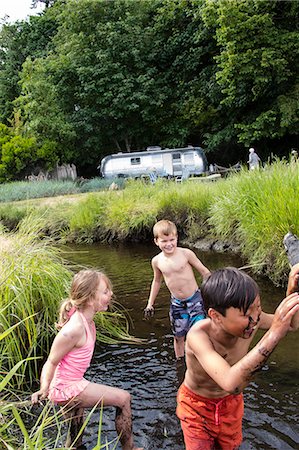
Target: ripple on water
{"type": "Point", "coordinates": [149, 372]}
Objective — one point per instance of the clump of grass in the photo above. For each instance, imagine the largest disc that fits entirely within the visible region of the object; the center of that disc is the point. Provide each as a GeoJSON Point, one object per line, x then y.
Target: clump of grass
{"type": "Point", "coordinates": [33, 280]}
{"type": "Point", "coordinates": [130, 212]}
{"type": "Point", "coordinates": [257, 209]}
{"type": "Point", "coordinates": [84, 218]}
{"type": "Point", "coordinates": [99, 184]}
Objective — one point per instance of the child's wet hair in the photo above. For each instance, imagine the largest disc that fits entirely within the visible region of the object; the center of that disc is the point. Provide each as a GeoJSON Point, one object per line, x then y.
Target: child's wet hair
{"type": "Point", "coordinates": [83, 289]}
{"type": "Point", "coordinates": [228, 287]}
{"type": "Point", "coordinates": [165, 227]}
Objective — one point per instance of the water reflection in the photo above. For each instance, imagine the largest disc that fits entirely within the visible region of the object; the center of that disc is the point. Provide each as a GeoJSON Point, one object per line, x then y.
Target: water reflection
{"type": "Point", "coordinates": [148, 371]}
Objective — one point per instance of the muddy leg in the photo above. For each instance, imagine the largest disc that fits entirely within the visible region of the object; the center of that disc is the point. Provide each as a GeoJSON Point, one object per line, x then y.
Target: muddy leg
{"type": "Point", "coordinates": [123, 425]}
{"type": "Point", "coordinates": [76, 417]}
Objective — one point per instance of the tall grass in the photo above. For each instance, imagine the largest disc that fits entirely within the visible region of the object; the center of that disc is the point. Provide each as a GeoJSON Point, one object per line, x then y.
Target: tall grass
{"type": "Point", "coordinates": [257, 209]}
{"type": "Point", "coordinates": [253, 209]}
{"type": "Point", "coordinates": [33, 280]}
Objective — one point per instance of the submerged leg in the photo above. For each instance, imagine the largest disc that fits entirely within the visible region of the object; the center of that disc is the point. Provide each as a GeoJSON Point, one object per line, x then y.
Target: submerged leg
{"type": "Point", "coordinates": [179, 346]}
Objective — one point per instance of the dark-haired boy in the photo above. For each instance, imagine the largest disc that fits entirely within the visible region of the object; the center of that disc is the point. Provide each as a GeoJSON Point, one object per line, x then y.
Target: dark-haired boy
{"type": "Point", "coordinates": [219, 366]}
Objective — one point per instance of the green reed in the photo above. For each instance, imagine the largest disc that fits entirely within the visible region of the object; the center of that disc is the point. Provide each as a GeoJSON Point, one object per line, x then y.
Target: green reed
{"type": "Point", "coordinates": [33, 280]}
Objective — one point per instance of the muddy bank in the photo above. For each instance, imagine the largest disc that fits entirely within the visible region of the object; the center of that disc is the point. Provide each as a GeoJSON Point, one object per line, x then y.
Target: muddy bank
{"type": "Point", "coordinates": [209, 244]}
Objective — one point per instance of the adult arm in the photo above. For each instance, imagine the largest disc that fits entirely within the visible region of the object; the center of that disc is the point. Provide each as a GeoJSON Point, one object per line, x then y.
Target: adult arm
{"type": "Point", "coordinates": [235, 378]}
{"type": "Point", "coordinates": [63, 343]}
{"type": "Point", "coordinates": [196, 263]}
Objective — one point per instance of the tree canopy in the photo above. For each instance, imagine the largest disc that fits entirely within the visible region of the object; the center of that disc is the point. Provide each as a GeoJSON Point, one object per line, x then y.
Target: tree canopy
{"type": "Point", "coordinates": [93, 77]}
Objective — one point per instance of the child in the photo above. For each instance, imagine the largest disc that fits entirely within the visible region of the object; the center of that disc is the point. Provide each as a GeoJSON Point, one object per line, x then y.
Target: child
{"type": "Point", "coordinates": [175, 264]}
{"type": "Point", "coordinates": [219, 367]}
{"type": "Point", "coordinates": [62, 375]}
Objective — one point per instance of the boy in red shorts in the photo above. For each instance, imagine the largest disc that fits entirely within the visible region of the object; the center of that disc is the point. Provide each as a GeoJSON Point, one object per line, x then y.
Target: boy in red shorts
{"type": "Point", "coordinates": [219, 367]}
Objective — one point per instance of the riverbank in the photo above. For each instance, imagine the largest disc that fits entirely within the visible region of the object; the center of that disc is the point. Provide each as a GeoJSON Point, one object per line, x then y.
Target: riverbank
{"type": "Point", "coordinates": [248, 212]}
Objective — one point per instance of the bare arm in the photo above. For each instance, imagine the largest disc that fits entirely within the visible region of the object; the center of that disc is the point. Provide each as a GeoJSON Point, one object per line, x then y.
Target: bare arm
{"type": "Point", "coordinates": [266, 321]}
{"type": "Point", "coordinates": [196, 263]}
{"type": "Point", "coordinates": [235, 378]}
{"type": "Point", "coordinates": [155, 287]}
{"type": "Point", "coordinates": [63, 343]}
{"type": "Point", "coordinates": [293, 286]}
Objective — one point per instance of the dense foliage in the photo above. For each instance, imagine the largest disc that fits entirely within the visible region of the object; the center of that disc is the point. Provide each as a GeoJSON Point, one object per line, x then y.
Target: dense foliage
{"type": "Point", "coordinates": [92, 77]}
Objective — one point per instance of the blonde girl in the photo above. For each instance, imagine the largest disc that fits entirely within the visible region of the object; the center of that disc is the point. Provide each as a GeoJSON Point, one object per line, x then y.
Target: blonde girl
{"type": "Point", "coordinates": [62, 378]}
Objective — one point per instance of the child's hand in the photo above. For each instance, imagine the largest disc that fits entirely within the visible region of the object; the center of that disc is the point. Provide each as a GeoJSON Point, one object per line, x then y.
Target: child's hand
{"type": "Point", "coordinates": [284, 314]}
{"type": "Point", "coordinates": [36, 397]}
{"type": "Point", "coordinates": [149, 312]}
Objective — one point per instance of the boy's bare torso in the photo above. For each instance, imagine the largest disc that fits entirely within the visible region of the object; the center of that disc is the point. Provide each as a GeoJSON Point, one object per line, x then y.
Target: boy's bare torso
{"type": "Point", "coordinates": [177, 273]}
{"type": "Point", "coordinates": [196, 378]}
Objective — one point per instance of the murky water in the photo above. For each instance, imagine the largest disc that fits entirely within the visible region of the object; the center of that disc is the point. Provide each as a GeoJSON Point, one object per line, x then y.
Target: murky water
{"type": "Point", "coordinates": [149, 373]}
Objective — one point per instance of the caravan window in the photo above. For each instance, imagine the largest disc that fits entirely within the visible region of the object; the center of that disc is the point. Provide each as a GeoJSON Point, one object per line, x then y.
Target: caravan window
{"type": "Point", "coordinates": [135, 161]}
{"type": "Point", "coordinates": [176, 156]}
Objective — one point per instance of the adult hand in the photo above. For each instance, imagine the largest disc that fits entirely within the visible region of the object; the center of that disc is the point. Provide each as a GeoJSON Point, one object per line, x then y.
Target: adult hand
{"type": "Point", "coordinates": [149, 312]}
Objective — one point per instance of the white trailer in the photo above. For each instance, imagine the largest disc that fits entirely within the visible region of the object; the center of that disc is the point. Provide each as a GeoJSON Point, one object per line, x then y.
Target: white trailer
{"type": "Point", "coordinates": [168, 162]}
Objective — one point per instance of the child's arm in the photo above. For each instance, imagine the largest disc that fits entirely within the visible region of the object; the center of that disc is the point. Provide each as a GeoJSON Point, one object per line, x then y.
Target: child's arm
{"type": "Point", "coordinates": [63, 343]}
{"type": "Point", "coordinates": [155, 287]}
{"type": "Point", "coordinates": [293, 286]}
{"type": "Point", "coordinates": [235, 378]}
{"type": "Point", "coordinates": [196, 263]}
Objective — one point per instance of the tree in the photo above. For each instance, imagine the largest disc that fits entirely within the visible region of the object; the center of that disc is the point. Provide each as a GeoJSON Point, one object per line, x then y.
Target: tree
{"type": "Point", "coordinates": [17, 42]}
{"type": "Point", "coordinates": [257, 66]}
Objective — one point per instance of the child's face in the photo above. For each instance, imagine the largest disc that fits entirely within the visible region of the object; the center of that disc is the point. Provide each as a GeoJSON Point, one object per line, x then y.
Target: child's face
{"type": "Point", "coordinates": [167, 244]}
{"type": "Point", "coordinates": [103, 297]}
{"type": "Point", "coordinates": [242, 325]}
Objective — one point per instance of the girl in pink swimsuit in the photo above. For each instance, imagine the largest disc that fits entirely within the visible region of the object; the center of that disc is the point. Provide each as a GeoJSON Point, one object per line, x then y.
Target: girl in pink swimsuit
{"type": "Point", "coordinates": [62, 377]}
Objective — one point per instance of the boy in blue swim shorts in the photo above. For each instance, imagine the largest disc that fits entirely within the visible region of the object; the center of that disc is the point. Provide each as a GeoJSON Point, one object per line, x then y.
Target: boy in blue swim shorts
{"type": "Point", "coordinates": [175, 265]}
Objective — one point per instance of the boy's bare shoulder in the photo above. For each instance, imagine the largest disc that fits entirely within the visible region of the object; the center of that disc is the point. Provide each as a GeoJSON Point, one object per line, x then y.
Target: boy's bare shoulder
{"type": "Point", "coordinates": [156, 259]}
{"type": "Point", "coordinates": [200, 327]}
{"type": "Point", "coordinates": [198, 335]}
{"type": "Point", "coordinates": [185, 250]}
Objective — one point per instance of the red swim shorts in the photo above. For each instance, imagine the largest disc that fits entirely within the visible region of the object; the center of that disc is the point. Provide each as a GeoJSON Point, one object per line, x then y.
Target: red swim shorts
{"type": "Point", "coordinates": [209, 423]}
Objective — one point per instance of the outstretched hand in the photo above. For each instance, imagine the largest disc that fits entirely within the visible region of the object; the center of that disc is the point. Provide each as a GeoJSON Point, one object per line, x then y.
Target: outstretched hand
{"type": "Point", "coordinates": [149, 312]}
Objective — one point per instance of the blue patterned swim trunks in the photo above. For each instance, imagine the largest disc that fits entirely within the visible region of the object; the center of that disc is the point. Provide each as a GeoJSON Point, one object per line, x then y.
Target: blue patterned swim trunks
{"type": "Point", "coordinates": [185, 313]}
